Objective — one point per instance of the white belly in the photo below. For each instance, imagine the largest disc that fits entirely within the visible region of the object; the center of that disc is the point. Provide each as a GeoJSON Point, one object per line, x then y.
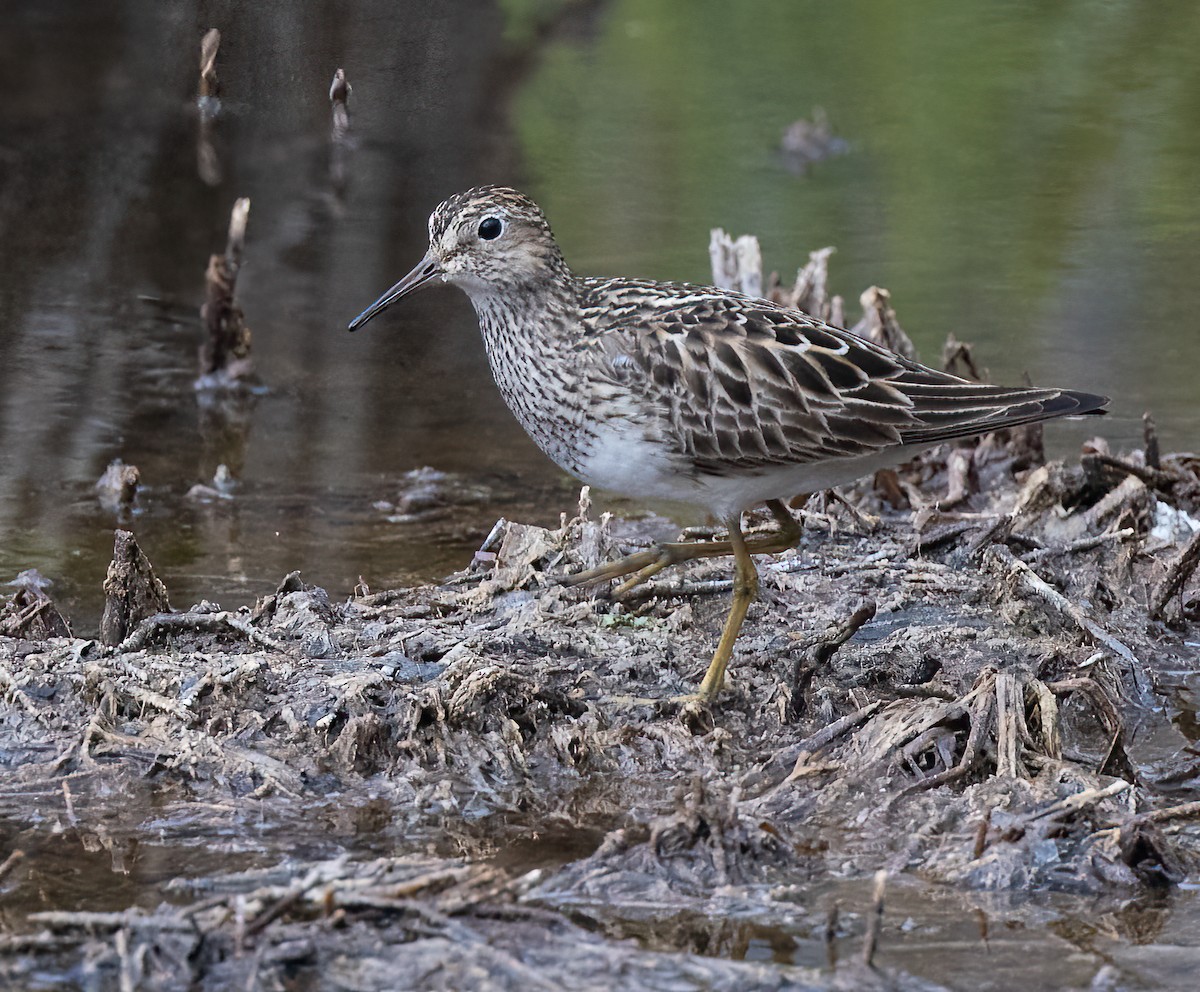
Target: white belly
{"type": "Point", "coordinates": [625, 462]}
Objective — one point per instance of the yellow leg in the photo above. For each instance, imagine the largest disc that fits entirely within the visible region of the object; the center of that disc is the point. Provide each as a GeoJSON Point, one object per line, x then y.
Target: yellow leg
{"type": "Point", "coordinates": [645, 564]}
{"type": "Point", "coordinates": [745, 592]}
{"type": "Point", "coordinates": [648, 563]}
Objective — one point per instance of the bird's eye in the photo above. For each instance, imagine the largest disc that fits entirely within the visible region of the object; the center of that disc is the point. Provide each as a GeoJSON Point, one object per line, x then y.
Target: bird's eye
{"type": "Point", "coordinates": [490, 228]}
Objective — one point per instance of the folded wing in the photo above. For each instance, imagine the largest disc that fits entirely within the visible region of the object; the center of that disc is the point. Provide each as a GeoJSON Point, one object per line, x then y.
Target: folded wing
{"type": "Point", "coordinates": [749, 384]}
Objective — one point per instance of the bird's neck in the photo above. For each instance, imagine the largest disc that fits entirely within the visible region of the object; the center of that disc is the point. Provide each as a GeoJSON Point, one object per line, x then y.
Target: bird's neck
{"type": "Point", "coordinates": [530, 314]}
{"type": "Point", "coordinates": [529, 333]}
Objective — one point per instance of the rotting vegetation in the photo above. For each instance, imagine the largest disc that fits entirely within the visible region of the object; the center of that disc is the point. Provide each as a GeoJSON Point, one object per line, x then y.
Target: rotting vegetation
{"type": "Point", "coordinates": [953, 677]}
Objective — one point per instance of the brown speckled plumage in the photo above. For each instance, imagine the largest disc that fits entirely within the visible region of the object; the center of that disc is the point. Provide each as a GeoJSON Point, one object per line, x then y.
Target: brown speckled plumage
{"type": "Point", "coordinates": [674, 391]}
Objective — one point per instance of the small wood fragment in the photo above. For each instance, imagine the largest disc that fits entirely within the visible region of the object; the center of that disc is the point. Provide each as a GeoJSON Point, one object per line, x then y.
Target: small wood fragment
{"type": "Point", "coordinates": [339, 93]}
{"type": "Point", "coordinates": [875, 919]}
{"type": "Point", "coordinates": [118, 486]}
{"type": "Point", "coordinates": [981, 834]}
{"type": "Point", "coordinates": [1010, 705]}
{"type": "Point", "coordinates": [963, 476]}
{"type": "Point", "coordinates": [11, 862]}
{"type": "Point", "coordinates": [208, 105]}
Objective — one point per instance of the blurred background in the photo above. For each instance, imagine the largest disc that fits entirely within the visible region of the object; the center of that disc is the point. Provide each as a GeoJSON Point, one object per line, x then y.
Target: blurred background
{"type": "Point", "coordinates": [1023, 175]}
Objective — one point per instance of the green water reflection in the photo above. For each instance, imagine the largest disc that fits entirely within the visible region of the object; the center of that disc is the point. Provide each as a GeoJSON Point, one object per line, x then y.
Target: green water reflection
{"type": "Point", "coordinates": [1022, 174]}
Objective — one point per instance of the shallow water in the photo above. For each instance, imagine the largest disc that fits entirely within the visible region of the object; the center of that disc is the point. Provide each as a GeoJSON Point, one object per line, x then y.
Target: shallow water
{"type": "Point", "coordinates": [1021, 177]}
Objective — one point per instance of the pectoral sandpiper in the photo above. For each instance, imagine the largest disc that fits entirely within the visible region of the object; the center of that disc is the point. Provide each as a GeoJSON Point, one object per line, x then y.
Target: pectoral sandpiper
{"type": "Point", "coordinates": [672, 391]}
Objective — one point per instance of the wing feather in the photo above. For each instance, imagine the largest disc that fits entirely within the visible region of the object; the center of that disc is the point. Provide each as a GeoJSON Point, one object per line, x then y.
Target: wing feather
{"type": "Point", "coordinates": [742, 383]}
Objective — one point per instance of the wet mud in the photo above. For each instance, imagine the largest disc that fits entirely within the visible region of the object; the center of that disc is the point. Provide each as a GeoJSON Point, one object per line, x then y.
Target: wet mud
{"type": "Point", "coordinates": [942, 727]}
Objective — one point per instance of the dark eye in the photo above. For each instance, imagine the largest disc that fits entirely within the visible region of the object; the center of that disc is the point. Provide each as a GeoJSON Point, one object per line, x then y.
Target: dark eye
{"type": "Point", "coordinates": [490, 228]}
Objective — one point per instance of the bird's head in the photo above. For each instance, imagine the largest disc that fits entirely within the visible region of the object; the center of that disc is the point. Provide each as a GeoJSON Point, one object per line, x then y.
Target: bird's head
{"type": "Point", "coordinates": [490, 241]}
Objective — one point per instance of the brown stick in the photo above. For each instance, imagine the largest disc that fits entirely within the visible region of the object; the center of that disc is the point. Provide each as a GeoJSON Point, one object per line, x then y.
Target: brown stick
{"type": "Point", "coordinates": [1150, 475]}
{"type": "Point", "coordinates": [831, 732]}
{"type": "Point", "coordinates": [1080, 801]}
{"type": "Point", "coordinates": [1182, 811]}
{"type": "Point", "coordinates": [1150, 441]}
{"type": "Point", "coordinates": [11, 862]}
{"type": "Point", "coordinates": [216, 623]}
{"type": "Point", "coordinates": [819, 653]}
{"type": "Point", "coordinates": [1177, 575]}
{"type": "Point", "coordinates": [875, 920]}
{"type": "Point", "coordinates": [1030, 582]}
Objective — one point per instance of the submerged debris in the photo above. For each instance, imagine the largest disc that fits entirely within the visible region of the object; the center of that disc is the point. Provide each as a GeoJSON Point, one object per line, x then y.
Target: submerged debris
{"type": "Point", "coordinates": [426, 494]}
{"type": "Point", "coordinates": [953, 695]}
{"type": "Point", "coordinates": [117, 488]}
{"type": "Point", "coordinates": [807, 141]}
{"type": "Point", "coordinates": [29, 613]}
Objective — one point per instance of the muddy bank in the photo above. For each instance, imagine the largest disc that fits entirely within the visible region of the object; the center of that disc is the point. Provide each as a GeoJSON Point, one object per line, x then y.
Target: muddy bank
{"type": "Point", "coordinates": [487, 783]}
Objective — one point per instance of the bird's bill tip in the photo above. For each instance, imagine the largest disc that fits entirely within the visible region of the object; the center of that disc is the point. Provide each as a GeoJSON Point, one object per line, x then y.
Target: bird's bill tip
{"type": "Point", "coordinates": [428, 269]}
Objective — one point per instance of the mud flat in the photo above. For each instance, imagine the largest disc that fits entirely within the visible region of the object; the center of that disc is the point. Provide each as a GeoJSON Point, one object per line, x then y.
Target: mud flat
{"type": "Point", "coordinates": [962, 723]}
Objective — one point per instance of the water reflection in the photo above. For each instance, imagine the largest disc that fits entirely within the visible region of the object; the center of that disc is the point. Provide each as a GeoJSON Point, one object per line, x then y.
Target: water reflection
{"type": "Point", "coordinates": [1022, 176]}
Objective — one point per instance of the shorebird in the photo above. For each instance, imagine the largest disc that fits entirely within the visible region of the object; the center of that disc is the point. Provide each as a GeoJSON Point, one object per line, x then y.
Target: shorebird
{"type": "Point", "coordinates": [663, 390]}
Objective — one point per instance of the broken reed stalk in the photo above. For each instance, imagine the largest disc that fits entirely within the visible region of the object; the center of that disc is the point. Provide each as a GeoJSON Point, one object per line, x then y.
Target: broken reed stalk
{"type": "Point", "coordinates": [339, 132]}
{"type": "Point", "coordinates": [880, 324]}
{"type": "Point", "coordinates": [875, 920]}
{"type": "Point", "coordinates": [339, 93]}
{"type": "Point", "coordinates": [210, 44]}
{"type": "Point", "coordinates": [959, 359]}
{"type": "Point", "coordinates": [208, 165]}
{"type": "Point", "coordinates": [736, 264]}
{"type": "Point", "coordinates": [1150, 441]}
{"type": "Point", "coordinates": [226, 352]}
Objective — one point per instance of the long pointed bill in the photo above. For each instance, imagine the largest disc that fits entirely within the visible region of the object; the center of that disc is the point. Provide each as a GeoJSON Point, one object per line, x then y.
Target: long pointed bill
{"type": "Point", "coordinates": [426, 271]}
